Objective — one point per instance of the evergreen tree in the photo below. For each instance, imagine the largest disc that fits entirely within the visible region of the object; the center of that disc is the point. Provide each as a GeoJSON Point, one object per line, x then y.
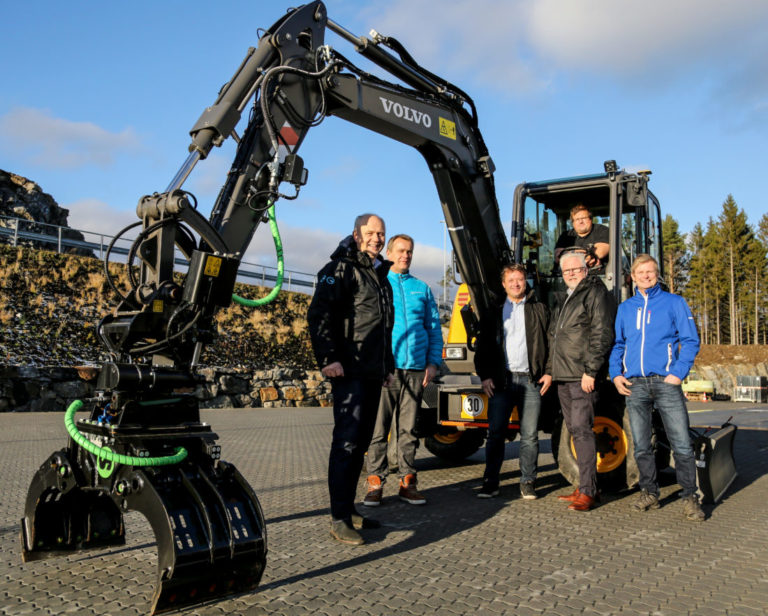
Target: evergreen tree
{"type": "Point", "coordinates": [675, 254]}
{"type": "Point", "coordinates": [735, 236]}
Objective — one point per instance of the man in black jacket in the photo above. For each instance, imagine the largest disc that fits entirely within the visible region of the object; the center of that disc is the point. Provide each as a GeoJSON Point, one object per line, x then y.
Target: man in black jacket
{"type": "Point", "coordinates": [580, 339]}
{"type": "Point", "coordinates": [511, 358]}
{"type": "Point", "coordinates": [350, 323]}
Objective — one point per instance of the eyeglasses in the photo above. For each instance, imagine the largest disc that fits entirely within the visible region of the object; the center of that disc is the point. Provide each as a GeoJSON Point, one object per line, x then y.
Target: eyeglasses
{"type": "Point", "coordinates": [573, 270]}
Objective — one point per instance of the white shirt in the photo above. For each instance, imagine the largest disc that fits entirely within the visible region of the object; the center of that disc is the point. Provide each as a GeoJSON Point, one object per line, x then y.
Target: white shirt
{"type": "Point", "coordinates": [515, 346]}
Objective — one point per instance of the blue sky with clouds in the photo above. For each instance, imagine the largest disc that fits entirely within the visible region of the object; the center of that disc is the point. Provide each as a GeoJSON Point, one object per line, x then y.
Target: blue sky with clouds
{"type": "Point", "coordinates": [98, 100]}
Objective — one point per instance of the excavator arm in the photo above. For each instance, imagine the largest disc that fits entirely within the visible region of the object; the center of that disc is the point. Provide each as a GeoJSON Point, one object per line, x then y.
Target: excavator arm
{"type": "Point", "coordinates": [294, 80]}
{"type": "Point", "coordinates": [143, 446]}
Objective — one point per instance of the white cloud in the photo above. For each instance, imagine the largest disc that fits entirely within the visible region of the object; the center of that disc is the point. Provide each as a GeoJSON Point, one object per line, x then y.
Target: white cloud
{"type": "Point", "coordinates": [41, 139]}
{"type": "Point", "coordinates": [520, 46]}
{"type": "Point", "coordinates": [597, 35]}
{"type": "Point", "coordinates": [307, 250]}
{"type": "Point", "coordinates": [97, 216]}
{"type": "Point", "coordinates": [483, 38]}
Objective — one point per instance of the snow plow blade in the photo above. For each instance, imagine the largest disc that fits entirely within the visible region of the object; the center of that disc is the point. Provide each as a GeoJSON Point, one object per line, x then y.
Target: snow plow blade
{"type": "Point", "coordinates": [715, 467]}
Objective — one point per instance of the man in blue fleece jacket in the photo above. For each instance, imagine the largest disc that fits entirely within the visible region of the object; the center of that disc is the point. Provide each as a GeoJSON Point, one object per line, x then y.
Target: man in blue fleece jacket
{"type": "Point", "coordinates": [417, 346]}
{"type": "Point", "coordinates": [656, 343]}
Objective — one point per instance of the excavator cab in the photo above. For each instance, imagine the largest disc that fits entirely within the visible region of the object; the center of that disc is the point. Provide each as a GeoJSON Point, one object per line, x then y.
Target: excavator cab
{"type": "Point", "coordinates": [619, 201]}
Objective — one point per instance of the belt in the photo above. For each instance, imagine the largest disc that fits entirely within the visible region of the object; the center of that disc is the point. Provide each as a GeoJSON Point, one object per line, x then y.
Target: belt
{"type": "Point", "coordinates": [525, 374]}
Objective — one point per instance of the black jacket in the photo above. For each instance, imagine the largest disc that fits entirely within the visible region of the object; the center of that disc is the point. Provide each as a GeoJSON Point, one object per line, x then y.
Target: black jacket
{"type": "Point", "coordinates": [351, 315]}
{"type": "Point", "coordinates": [490, 359]}
{"type": "Point", "coordinates": [581, 332]}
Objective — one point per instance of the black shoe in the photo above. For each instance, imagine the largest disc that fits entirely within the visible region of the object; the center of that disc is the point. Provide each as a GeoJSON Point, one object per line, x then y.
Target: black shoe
{"type": "Point", "coordinates": [360, 522]}
{"type": "Point", "coordinates": [489, 490]}
{"type": "Point", "coordinates": [342, 531]}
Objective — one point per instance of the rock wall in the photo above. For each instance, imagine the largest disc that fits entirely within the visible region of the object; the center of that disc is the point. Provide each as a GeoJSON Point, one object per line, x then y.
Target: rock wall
{"type": "Point", "coordinates": [24, 199]}
{"type": "Point", "coordinates": [29, 388]}
{"type": "Point", "coordinates": [724, 376]}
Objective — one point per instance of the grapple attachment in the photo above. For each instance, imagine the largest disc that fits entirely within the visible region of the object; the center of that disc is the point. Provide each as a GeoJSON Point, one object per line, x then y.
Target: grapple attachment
{"type": "Point", "coordinates": [207, 521]}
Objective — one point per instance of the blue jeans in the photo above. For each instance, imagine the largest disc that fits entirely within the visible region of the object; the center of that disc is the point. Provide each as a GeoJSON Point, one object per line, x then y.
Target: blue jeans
{"type": "Point", "coordinates": [520, 391]}
{"type": "Point", "coordinates": [647, 393]}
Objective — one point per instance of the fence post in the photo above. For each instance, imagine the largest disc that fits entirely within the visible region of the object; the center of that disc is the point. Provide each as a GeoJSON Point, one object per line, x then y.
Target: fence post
{"type": "Point", "coordinates": [58, 248]}
{"type": "Point", "coordinates": [16, 233]}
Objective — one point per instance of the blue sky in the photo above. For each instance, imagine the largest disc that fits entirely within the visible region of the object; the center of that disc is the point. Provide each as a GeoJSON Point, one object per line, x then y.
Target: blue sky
{"type": "Point", "coordinates": [98, 100]}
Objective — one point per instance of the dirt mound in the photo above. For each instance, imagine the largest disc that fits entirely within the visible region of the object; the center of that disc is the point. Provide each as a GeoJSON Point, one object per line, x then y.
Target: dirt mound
{"type": "Point", "coordinates": [726, 354]}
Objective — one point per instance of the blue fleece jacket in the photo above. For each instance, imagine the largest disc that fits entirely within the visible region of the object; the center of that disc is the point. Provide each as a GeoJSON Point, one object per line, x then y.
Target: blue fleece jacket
{"type": "Point", "coordinates": [655, 334]}
{"type": "Point", "coordinates": [417, 339]}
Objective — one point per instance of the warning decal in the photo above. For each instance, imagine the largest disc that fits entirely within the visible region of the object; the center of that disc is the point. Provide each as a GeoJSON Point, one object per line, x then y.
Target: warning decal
{"type": "Point", "coordinates": [447, 128]}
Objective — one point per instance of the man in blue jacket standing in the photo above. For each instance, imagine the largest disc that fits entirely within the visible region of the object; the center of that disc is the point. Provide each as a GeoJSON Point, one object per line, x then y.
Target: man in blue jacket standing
{"type": "Point", "coordinates": [417, 346]}
{"type": "Point", "coordinates": [656, 343]}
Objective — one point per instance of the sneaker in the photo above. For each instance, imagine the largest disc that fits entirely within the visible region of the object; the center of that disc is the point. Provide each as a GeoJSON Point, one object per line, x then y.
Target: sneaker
{"type": "Point", "coordinates": [646, 501]}
{"type": "Point", "coordinates": [692, 510]}
{"type": "Point", "coordinates": [528, 490]}
{"type": "Point", "coordinates": [489, 490]}
{"type": "Point", "coordinates": [408, 491]}
{"type": "Point", "coordinates": [342, 531]}
{"type": "Point", "coordinates": [375, 490]}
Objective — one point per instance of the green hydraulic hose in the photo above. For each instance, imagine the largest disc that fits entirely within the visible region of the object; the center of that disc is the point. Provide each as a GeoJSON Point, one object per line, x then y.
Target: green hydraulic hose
{"type": "Point", "coordinates": [253, 303]}
{"type": "Point", "coordinates": [106, 454]}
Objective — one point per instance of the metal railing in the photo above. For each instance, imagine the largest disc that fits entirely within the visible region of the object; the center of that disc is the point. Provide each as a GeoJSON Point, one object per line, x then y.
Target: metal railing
{"type": "Point", "coordinates": [19, 229]}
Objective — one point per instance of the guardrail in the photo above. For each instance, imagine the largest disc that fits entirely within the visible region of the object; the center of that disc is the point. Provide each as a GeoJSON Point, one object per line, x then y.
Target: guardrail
{"type": "Point", "coordinates": [18, 229]}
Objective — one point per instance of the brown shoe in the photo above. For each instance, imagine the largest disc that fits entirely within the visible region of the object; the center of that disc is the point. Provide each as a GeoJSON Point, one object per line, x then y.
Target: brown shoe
{"type": "Point", "coordinates": [584, 502]}
{"type": "Point", "coordinates": [343, 532]}
{"type": "Point", "coordinates": [408, 491]}
{"type": "Point", "coordinates": [375, 490]}
{"type": "Point", "coordinates": [569, 497]}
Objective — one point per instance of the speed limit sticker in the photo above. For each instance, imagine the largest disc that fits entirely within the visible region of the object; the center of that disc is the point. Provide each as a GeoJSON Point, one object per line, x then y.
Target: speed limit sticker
{"type": "Point", "coordinates": [472, 405]}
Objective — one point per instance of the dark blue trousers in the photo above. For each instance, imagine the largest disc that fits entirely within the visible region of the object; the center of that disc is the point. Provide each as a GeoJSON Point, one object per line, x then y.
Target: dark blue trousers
{"type": "Point", "coordinates": [355, 404]}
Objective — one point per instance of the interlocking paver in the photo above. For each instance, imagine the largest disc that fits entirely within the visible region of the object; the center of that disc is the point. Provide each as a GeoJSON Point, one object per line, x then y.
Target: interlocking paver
{"type": "Point", "coordinates": [457, 555]}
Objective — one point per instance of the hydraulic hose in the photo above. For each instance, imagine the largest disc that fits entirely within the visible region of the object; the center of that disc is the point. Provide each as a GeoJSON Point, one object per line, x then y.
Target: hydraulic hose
{"type": "Point", "coordinates": [105, 453]}
{"type": "Point", "coordinates": [252, 303]}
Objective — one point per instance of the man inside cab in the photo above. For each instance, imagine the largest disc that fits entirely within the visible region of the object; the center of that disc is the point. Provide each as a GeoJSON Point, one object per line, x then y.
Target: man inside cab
{"type": "Point", "coordinates": [593, 239]}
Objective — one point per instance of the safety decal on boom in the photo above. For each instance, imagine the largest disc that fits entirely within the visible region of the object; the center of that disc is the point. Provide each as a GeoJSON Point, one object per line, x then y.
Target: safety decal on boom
{"type": "Point", "coordinates": [447, 128]}
{"type": "Point", "coordinates": [288, 140]}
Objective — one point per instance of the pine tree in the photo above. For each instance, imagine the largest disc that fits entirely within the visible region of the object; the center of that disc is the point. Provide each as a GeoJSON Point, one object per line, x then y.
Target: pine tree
{"type": "Point", "coordinates": [675, 254]}
{"type": "Point", "coordinates": [735, 235]}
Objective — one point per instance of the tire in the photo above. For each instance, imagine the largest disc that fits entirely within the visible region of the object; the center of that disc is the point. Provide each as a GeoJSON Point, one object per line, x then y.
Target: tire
{"type": "Point", "coordinates": [455, 445]}
{"type": "Point", "coordinates": [616, 466]}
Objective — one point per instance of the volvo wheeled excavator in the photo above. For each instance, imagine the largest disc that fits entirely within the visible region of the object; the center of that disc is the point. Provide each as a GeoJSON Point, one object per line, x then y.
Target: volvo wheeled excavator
{"type": "Point", "coordinates": [142, 446]}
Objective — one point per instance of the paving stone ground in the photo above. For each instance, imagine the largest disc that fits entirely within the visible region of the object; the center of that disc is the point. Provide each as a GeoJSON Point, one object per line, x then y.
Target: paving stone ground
{"type": "Point", "coordinates": [455, 555]}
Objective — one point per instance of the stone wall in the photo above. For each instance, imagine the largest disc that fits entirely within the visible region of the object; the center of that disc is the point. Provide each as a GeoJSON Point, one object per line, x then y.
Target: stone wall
{"type": "Point", "coordinates": [724, 376]}
{"type": "Point", "coordinates": [28, 388]}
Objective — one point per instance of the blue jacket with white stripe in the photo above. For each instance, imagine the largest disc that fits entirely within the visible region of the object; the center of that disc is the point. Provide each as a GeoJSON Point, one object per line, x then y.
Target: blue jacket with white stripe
{"type": "Point", "coordinates": [655, 335]}
{"type": "Point", "coordinates": [417, 339]}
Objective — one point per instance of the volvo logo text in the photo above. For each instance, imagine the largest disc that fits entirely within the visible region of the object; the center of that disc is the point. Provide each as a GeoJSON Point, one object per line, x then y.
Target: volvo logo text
{"type": "Point", "coordinates": [406, 113]}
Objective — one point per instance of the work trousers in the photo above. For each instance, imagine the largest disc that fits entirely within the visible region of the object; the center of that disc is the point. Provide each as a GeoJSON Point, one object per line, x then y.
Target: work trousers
{"type": "Point", "coordinates": [521, 392]}
{"type": "Point", "coordinates": [355, 402]}
{"type": "Point", "coordinates": [647, 393]}
{"type": "Point", "coordinates": [579, 414]}
{"type": "Point", "coordinates": [398, 408]}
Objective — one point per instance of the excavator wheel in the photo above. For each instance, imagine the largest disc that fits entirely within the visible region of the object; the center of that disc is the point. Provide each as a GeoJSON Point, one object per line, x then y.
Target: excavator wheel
{"type": "Point", "coordinates": [454, 445]}
{"type": "Point", "coordinates": [616, 466]}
